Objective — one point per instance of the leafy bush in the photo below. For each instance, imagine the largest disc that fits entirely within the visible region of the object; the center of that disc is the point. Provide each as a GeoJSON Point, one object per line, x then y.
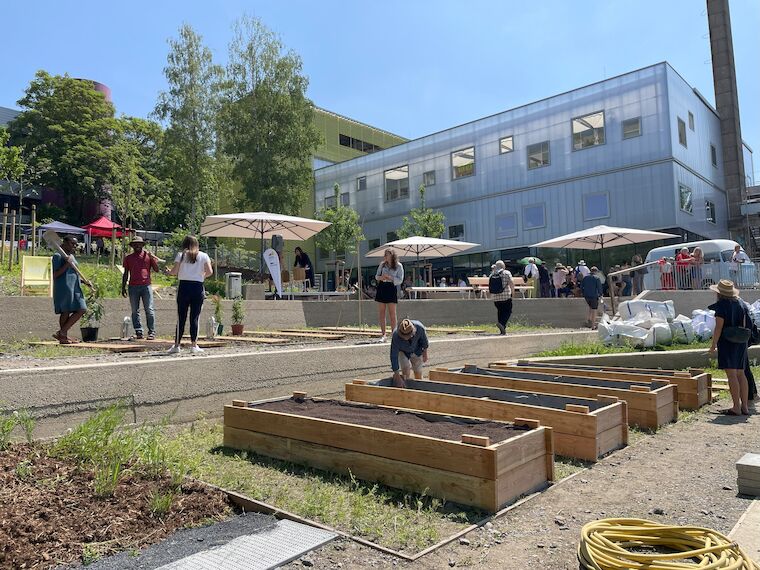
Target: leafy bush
{"type": "Point", "coordinates": [215, 287]}
{"type": "Point", "coordinates": [238, 311]}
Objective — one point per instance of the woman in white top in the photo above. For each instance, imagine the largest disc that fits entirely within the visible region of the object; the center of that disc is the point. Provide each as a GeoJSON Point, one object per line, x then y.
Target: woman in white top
{"type": "Point", "coordinates": [390, 275]}
{"type": "Point", "coordinates": [192, 267]}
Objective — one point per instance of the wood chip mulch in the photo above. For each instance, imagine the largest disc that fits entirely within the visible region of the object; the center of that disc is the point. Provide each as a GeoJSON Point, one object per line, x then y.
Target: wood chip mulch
{"type": "Point", "coordinates": [50, 515]}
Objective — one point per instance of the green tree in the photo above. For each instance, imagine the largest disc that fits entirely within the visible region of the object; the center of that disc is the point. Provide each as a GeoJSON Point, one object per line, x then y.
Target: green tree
{"type": "Point", "coordinates": [422, 221]}
{"type": "Point", "coordinates": [66, 131]}
{"type": "Point", "coordinates": [190, 108]}
{"type": "Point", "coordinates": [344, 232]}
{"type": "Point", "coordinates": [12, 165]}
{"type": "Point", "coordinates": [266, 119]}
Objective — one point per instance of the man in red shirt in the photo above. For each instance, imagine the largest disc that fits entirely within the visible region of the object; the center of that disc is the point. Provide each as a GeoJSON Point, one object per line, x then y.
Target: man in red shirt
{"type": "Point", "coordinates": [137, 268]}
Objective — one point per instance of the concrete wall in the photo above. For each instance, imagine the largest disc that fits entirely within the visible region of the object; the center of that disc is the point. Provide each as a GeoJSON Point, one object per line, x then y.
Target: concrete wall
{"type": "Point", "coordinates": [186, 386]}
{"type": "Point", "coordinates": [27, 317]}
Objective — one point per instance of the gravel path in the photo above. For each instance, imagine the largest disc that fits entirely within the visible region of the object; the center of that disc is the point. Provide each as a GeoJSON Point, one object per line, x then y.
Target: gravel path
{"type": "Point", "coordinates": [684, 474]}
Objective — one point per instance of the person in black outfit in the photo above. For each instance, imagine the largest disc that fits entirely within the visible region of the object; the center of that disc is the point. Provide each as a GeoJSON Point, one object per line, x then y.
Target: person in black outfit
{"type": "Point", "coordinates": [302, 260]}
{"type": "Point", "coordinates": [544, 280]}
{"type": "Point", "coordinates": [730, 313]}
{"type": "Point", "coordinates": [747, 368]}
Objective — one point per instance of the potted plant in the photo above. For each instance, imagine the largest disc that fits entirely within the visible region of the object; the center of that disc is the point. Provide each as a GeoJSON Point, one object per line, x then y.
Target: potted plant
{"type": "Point", "coordinates": [218, 314]}
{"type": "Point", "coordinates": [238, 316]}
{"type": "Point", "coordinates": [91, 319]}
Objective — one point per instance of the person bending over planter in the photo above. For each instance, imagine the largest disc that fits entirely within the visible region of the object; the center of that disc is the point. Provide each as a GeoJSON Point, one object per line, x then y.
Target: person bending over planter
{"type": "Point", "coordinates": [68, 299]}
{"type": "Point", "coordinates": [192, 267]}
{"type": "Point", "coordinates": [409, 350]}
{"type": "Point", "coordinates": [733, 328]}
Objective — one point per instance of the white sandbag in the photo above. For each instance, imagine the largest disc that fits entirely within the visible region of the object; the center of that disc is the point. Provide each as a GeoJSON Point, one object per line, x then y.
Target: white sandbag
{"type": "Point", "coordinates": [659, 334]}
{"type": "Point", "coordinates": [661, 309]}
{"type": "Point", "coordinates": [702, 330]}
{"type": "Point", "coordinates": [622, 334]}
{"type": "Point", "coordinates": [604, 331]}
{"type": "Point", "coordinates": [703, 317]}
{"type": "Point", "coordinates": [645, 320]}
{"type": "Point", "coordinates": [682, 330]}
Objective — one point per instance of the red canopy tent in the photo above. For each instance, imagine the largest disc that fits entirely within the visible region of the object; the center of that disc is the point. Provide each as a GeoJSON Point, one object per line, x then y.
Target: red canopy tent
{"type": "Point", "coordinates": [103, 227]}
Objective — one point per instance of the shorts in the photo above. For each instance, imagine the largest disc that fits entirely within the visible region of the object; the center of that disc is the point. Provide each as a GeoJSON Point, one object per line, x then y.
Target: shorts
{"type": "Point", "coordinates": [410, 364]}
{"type": "Point", "coordinates": [593, 302]}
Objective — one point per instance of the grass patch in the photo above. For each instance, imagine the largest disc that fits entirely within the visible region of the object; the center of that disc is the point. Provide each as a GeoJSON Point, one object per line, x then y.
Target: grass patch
{"type": "Point", "coordinates": [392, 518]}
{"type": "Point", "coordinates": [587, 348]}
{"type": "Point", "coordinates": [45, 351]}
{"type": "Point", "coordinates": [566, 466]}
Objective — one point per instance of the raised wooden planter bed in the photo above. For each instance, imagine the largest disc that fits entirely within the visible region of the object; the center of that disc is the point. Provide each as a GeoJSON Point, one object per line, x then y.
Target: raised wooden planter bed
{"type": "Point", "coordinates": [483, 464]}
{"type": "Point", "coordinates": [649, 405]}
{"type": "Point", "coordinates": [583, 428]}
{"type": "Point", "coordinates": [694, 387]}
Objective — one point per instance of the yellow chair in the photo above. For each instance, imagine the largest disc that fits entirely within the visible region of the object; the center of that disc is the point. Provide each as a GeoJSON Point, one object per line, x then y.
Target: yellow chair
{"type": "Point", "coordinates": [36, 275]}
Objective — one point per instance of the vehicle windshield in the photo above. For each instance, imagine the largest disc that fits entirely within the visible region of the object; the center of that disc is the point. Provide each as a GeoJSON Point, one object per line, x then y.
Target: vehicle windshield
{"type": "Point", "coordinates": [727, 254]}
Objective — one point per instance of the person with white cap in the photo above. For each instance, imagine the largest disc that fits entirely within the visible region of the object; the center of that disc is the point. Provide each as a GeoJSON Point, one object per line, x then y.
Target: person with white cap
{"type": "Point", "coordinates": [409, 351]}
{"type": "Point", "coordinates": [502, 289]}
{"type": "Point", "coordinates": [581, 271]}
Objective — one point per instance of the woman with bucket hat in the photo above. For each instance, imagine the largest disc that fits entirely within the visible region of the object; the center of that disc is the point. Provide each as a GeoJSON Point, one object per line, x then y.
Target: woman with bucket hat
{"type": "Point", "coordinates": [733, 328]}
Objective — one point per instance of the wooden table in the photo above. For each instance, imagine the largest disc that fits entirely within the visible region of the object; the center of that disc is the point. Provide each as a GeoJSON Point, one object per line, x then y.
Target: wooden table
{"type": "Point", "coordinates": [414, 291]}
{"type": "Point", "coordinates": [320, 295]}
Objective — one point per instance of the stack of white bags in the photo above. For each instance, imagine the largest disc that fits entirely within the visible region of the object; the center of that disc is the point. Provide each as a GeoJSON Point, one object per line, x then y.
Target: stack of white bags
{"type": "Point", "coordinates": [652, 323]}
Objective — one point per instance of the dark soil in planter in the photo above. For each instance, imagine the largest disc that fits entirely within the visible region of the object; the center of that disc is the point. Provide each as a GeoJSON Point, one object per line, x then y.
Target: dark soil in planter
{"type": "Point", "coordinates": [49, 513]}
{"type": "Point", "coordinates": [441, 427]}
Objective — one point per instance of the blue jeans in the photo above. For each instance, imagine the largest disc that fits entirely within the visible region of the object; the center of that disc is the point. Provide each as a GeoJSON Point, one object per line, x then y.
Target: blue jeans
{"type": "Point", "coordinates": [144, 293]}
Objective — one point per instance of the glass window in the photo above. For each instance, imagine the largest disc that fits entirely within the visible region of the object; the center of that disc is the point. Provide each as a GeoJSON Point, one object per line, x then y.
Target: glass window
{"type": "Point", "coordinates": [596, 206]}
{"type": "Point", "coordinates": [345, 199]}
{"type": "Point", "coordinates": [391, 236]}
{"type": "Point", "coordinates": [506, 144]}
{"type": "Point", "coordinates": [632, 128]}
{"type": "Point", "coordinates": [710, 211]}
{"type": "Point", "coordinates": [374, 243]}
{"type": "Point", "coordinates": [456, 232]}
{"type": "Point", "coordinates": [323, 253]}
{"type": "Point", "coordinates": [534, 217]}
{"type": "Point", "coordinates": [588, 131]}
{"type": "Point", "coordinates": [361, 183]}
{"type": "Point", "coordinates": [714, 155]}
{"type": "Point", "coordinates": [691, 121]}
{"type": "Point", "coordinates": [538, 155]}
{"type": "Point", "coordinates": [397, 183]}
{"type": "Point", "coordinates": [330, 201]}
{"type": "Point", "coordinates": [506, 225]}
{"type": "Point", "coordinates": [681, 131]}
{"type": "Point", "coordinates": [428, 179]}
{"type": "Point", "coordinates": [463, 163]}
{"type": "Point", "coordinates": [685, 198]}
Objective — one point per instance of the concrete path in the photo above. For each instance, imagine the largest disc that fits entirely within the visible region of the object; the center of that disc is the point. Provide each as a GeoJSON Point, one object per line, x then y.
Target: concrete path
{"type": "Point", "coordinates": [747, 531]}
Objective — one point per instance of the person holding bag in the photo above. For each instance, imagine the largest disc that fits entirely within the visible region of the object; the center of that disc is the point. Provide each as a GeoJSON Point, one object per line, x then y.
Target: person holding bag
{"type": "Point", "coordinates": [730, 338]}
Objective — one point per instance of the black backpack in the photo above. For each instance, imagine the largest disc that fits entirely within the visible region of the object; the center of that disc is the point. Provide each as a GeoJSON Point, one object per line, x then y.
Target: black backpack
{"type": "Point", "coordinates": [495, 284]}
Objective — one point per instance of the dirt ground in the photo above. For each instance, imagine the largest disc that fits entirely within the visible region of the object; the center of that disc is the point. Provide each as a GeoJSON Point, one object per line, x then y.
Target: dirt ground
{"type": "Point", "coordinates": [684, 474]}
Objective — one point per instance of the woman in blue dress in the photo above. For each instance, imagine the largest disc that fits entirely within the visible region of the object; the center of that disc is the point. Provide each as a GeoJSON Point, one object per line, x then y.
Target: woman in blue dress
{"type": "Point", "coordinates": [68, 299]}
{"type": "Point", "coordinates": [732, 356]}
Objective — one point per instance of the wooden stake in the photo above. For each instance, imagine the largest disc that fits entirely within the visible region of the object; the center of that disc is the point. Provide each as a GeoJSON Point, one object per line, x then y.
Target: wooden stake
{"type": "Point", "coordinates": [13, 233]}
{"type": "Point", "coordinates": [113, 247]}
{"type": "Point", "coordinates": [523, 422]}
{"type": "Point", "coordinates": [481, 440]}
{"type": "Point", "coordinates": [2, 237]}
{"type": "Point", "coordinates": [577, 408]}
{"type": "Point", "coordinates": [240, 403]}
{"type": "Point", "coordinates": [34, 229]}
{"type": "Point", "coordinates": [299, 396]}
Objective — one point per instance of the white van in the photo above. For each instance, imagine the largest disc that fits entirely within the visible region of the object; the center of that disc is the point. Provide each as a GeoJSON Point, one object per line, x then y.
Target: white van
{"type": "Point", "coordinates": [717, 266]}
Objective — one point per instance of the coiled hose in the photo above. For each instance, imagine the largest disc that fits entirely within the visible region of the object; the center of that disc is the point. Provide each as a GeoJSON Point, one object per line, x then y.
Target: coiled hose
{"type": "Point", "coordinates": [627, 544]}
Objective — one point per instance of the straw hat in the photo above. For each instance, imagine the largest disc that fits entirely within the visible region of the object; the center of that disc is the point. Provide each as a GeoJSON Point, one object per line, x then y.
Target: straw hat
{"type": "Point", "coordinates": [137, 239]}
{"type": "Point", "coordinates": [558, 265]}
{"type": "Point", "coordinates": [406, 328]}
{"type": "Point", "coordinates": [499, 265]}
{"type": "Point", "coordinates": [725, 288]}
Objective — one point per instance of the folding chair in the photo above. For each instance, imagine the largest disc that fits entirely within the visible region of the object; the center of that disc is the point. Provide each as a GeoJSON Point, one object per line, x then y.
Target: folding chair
{"type": "Point", "coordinates": [36, 275]}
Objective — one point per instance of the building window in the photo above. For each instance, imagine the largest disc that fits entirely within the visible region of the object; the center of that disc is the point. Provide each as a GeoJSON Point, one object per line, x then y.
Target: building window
{"type": "Point", "coordinates": [391, 236]}
{"type": "Point", "coordinates": [534, 217]}
{"type": "Point", "coordinates": [345, 199]}
{"type": "Point", "coordinates": [596, 206]}
{"type": "Point", "coordinates": [357, 144]}
{"type": "Point", "coordinates": [323, 253]}
{"type": "Point", "coordinates": [632, 128]}
{"type": "Point", "coordinates": [428, 178]}
{"type": "Point", "coordinates": [330, 201]}
{"type": "Point", "coordinates": [506, 145]}
{"type": "Point", "coordinates": [691, 120]}
{"type": "Point", "coordinates": [397, 183]}
{"type": "Point", "coordinates": [538, 155]}
{"type": "Point", "coordinates": [361, 183]}
{"type": "Point", "coordinates": [682, 132]}
{"type": "Point", "coordinates": [710, 211]}
{"type": "Point", "coordinates": [463, 163]}
{"type": "Point", "coordinates": [588, 131]}
{"type": "Point", "coordinates": [374, 244]}
{"type": "Point", "coordinates": [506, 225]}
{"type": "Point", "coordinates": [456, 232]}
{"type": "Point", "coordinates": [684, 193]}
{"type": "Point", "coordinates": [714, 155]}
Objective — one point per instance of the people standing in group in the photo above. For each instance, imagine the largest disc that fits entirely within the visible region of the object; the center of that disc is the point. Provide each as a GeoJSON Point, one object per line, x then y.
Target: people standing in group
{"type": "Point", "coordinates": [731, 336]}
{"type": "Point", "coordinates": [544, 280]}
{"type": "Point", "coordinates": [409, 351]}
{"type": "Point", "coordinates": [592, 290]}
{"type": "Point", "coordinates": [68, 299]}
{"type": "Point", "coordinates": [638, 275]}
{"type": "Point", "coordinates": [697, 261]}
{"type": "Point", "coordinates": [192, 267]}
{"type": "Point", "coordinates": [683, 269]}
{"type": "Point", "coordinates": [738, 257]}
{"type": "Point", "coordinates": [137, 268]}
{"type": "Point", "coordinates": [302, 260]}
{"type": "Point", "coordinates": [502, 289]}
{"type": "Point", "coordinates": [389, 276]}
{"type": "Point", "coordinates": [559, 275]}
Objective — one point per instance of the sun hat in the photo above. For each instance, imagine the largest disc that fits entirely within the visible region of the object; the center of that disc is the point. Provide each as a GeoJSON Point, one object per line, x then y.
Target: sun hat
{"type": "Point", "coordinates": [558, 265]}
{"type": "Point", "coordinates": [581, 262]}
{"type": "Point", "coordinates": [406, 328]}
{"type": "Point", "coordinates": [725, 288]}
{"type": "Point", "coordinates": [137, 239]}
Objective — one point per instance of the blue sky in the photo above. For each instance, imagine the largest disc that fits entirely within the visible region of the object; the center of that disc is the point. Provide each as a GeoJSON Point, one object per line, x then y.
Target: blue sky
{"type": "Point", "coordinates": [411, 67]}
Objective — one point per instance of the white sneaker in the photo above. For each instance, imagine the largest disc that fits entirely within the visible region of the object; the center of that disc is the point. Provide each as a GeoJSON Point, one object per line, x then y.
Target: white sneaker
{"type": "Point", "coordinates": [174, 350]}
{"type": "Point", "coordinates": [196, 350]}
{"type": "Point", "coordinates": [383, 339]}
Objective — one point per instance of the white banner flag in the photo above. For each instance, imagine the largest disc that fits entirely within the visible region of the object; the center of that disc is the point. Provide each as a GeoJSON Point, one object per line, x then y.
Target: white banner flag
{"type": "Point", "coordinates": [273, 263]}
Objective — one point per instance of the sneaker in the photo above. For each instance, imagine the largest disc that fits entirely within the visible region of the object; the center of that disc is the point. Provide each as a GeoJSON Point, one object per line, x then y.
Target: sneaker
{"type": "Point", "coordinates": [196, 350]}
{"type": "Point", "coordinates": [383, 339]}
{"type": "Point", "coordinates": [174, 350]}
{"type": "Point", "coordinates": [502, 328]}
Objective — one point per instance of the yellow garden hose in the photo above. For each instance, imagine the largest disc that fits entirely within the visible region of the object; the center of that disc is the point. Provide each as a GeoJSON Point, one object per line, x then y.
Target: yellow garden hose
{"type": "Point", "coordinates": [631, 544]}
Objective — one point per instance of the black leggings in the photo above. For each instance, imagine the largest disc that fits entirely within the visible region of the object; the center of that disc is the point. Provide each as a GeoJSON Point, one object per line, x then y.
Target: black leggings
{"type": "Point", "coordinates": [189, 297]}
{"type": "Point", "coordinates": [504, 311]}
